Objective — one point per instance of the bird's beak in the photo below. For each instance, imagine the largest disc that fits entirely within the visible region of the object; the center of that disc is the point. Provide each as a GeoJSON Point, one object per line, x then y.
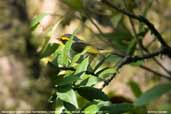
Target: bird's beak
{"type": "Point", "coordinates": [62, 39]}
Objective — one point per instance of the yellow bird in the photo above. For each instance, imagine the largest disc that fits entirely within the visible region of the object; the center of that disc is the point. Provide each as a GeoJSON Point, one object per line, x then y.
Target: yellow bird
{"type": "Point", "coordinates": [79, 45]}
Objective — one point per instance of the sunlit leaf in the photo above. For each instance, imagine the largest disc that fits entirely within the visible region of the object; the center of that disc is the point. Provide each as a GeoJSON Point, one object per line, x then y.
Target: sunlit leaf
{"type": "Point", "coordinates": [66, 53]}
{"type": "Point", "coordinates": [92, 80]}
{"type": "Point", "coordinates": [59, 106]}
{"type": "Point", "coordinates": [91, 109]}
{"type": "Point", "coordinates": [88, 80]}
{"type": "Point", "coordinates": [101, 70]}
{"type": "Point", "coordinates": [36, 20]}
{"type": "Point", "coordinates": [68, 96]}
{"type": "Point", "coordinates": [107, 72]}
{"type": "Point", "coordinates": [59, 55]}
{"type": "Point", "coordinates": [82, 67]}
{"type": "Point", "coordinates": [76, 58]}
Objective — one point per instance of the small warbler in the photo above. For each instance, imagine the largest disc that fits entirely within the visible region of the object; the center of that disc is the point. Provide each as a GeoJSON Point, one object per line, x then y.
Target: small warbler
{"type": "Point", "coordinates": [79, 45]}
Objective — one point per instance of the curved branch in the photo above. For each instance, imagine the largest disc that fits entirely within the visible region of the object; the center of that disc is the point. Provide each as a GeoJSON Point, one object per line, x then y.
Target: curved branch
{"type": "Point", "coordinates": [155, 72]}
{"type": "Point", "coordinates": [140, 19]}
{"type": "Point", "coordinates": [130, 59]}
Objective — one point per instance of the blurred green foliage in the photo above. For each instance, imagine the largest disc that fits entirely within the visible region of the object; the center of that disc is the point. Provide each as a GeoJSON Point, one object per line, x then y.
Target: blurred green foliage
{"type": "Point", "coordinates": [73, 82]}
{"type": "Point", "coordinates": [77, 74]}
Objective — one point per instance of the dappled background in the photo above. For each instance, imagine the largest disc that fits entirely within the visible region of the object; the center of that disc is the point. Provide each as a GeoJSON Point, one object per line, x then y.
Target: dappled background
{"type": "Point", "coordinates": [103, 28]}
{"type": "Point", "coordinates": [110, 30]}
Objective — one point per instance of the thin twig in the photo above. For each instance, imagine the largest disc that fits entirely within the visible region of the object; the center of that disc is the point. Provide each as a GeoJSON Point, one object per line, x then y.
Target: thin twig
{"type": "Point", "coordinates": [155, 72]}
{"type": "Point", "coordinates": [141, 45]}
{"type": "Point", "coordinates": [146, 50]}
{"type": "Point", "coordinates": [165, 69]}
{"type": "Point", "coordinates": [98, 28]}
{"type": "Point", "coordinates": [156, 61]}
{"type": "Point", "coordinates": [130, 59]}
{"type": "Point", "coordinates": [134, 31]}
{"type": "Point", "coordinates": [140, 19]}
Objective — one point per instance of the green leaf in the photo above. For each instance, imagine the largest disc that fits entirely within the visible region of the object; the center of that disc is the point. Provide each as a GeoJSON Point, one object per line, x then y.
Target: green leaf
{"type": "Point", "coordinates": [49, 49]}
{"type": "Point", "coordinates": [91, 93]}
{"type": "Point", "coordinates": [116, 19]}
{"type": "Point", "coordinates": [113, 58]}
{"type": "Point", "coordinates": [63, 88]}
{"type": "Point", "coordinates": [66, 53]}
{"type": "Point", "coordinates": [68, 96]}
{"type": "Point", "coordinates": [132, 47]}
{"type": "Point", "coordinates": [82, 67]}
{"type": "Point", "coordinates": [88, 80]}
{"type": "Point", "coordinates": [100, 63]}
{"type": "Point", "coordinates": [84, 82]}
{"type": "Point", "coordinates": [120, 40]}
{"type": "Point", "coordinates": [77, 57]}
{"type": "Point", "coordinates": [91, 109]}
{"type": "Point", "coordinates": [59, 106]}
{"type": "Point", "coordinates": [107, 72]}
{"type": "Point", "coordinates": [59, 55]}
{"type": "Point", "coordinates": [101, 70]}
{"type": "Point", "coordinates": [135, 88]}
{"type": "Point", "coordinates": [68, 79]}
{"type": "Point", "coordinates": [36, 20]}
{"type": "Point", "coordinates": [117, 108]}
{"type": "Point", "coordinates": [75, 4]}
{"type": "Point", "coordinates": [137, 63]}
{"type": "Point", "coordinates": [65, 56]}
{"type": "Point", "coordinates": [69, 106]}
{"type": "Point", "coordinates": [152, 94]}
{"type": "Point", "coordinates": [92, 80]}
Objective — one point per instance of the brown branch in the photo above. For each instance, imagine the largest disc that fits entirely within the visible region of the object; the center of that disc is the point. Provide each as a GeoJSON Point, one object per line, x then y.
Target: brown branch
{"type": "Point", "coordinates": [140, 19]}
{"type": "Point", "coordinates": [155, 72]}
{"type": "Point", "coordinates": [99, 30]}
{"type": "Point", "coordinates": [130, 59]}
